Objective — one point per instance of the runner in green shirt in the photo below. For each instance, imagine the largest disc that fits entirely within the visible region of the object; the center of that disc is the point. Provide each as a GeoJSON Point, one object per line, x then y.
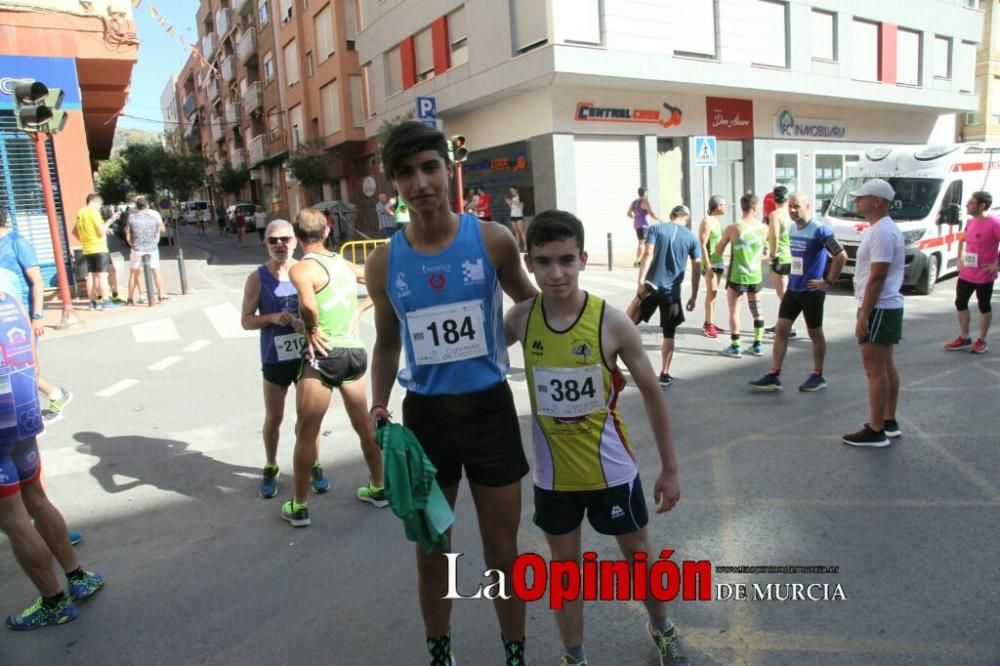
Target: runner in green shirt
{"type": "Point", "coordinates": [745, 274]}
{"type": "Point", "coordinates": [713, 264]}
{"type": "Point", "coordinates": [779, 224]}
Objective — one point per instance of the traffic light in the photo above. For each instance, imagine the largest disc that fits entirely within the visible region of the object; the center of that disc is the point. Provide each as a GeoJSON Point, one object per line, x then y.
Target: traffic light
{"type": "Point", "coordinates": [36, 107]}
{"type": "Point", "coordinates": [456, 149]}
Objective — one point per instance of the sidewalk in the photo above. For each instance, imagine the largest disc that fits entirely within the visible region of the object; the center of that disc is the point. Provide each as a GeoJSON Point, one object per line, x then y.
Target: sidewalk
{"type": "Point", "coordinates": [203, 289]}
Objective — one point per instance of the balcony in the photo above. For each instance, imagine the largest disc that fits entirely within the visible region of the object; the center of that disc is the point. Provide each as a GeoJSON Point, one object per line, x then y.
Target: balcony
{"type": "Point", "coordinates": [223, 22]}
{"type": "Point", "coordinates": [228, 69]}
{"type": "Point", "coordinates": [192, 133]}
{"type": "Point", "coordinates": [257, 150]}
{"type": "Point", "coordinates": [253, 98]}
{"type": "Point", "coordinates": [246, 47]}
{"type": "Point", "coordinates": [215, 123]}
{"type": "Point", "coordinates": [190, 104]}
{"type": "Point", "coordinates": [232, 114]}
{"type": "Point", "coordinates": [209, 46]}
{"type": "Point", "coordinates": [213, 89]}
{"type": "Point", "coordinates": [236, 159]}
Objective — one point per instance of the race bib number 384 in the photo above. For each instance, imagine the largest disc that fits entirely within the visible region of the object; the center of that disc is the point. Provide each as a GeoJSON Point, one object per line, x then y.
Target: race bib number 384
{"type": "Point", "coordinates": [447, 333]}
{"type": "Point", "coordinates": [568, 392]}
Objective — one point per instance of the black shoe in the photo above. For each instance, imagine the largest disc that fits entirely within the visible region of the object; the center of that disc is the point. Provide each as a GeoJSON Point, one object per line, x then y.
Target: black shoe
{"type": "Point", "coordinates": [866, 437]}
{"type": "Point", "coordinates": [891, 429]}
{"type": "Point", "coordinates": [666, 379]}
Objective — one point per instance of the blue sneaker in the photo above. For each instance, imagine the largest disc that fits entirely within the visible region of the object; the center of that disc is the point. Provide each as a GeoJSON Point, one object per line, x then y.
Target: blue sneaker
{"type": "Point", "coordinates": [108, 305]}
{"type": "Point", "coordinates": [38, 615]}
{"type": "Point", "coordinates": [320, 484]}
{"type": "Point", "coordinates": [768, 382]}
{"type": "Point", "coordinates": [815, 382]}
{"type": "Point", "coordinates": [269, 482]}
{"type": "Point", "coordinates": [756, 349]}
{"type": "Point", "coordinates": [75, 536]}
{"type": "Point", "coordinates": [84, 586]}
{"type": "Point", "coordinates": [733, 351]}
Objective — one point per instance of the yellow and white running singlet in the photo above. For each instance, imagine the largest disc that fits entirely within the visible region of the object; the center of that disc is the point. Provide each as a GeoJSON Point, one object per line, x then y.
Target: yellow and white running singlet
{"type": "Point", "coordinates": [580, 441]}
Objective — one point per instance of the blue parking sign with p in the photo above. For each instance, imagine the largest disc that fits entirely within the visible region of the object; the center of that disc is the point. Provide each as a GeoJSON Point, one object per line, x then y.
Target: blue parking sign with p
{"type": "Point", "coordinates": [426, 108]}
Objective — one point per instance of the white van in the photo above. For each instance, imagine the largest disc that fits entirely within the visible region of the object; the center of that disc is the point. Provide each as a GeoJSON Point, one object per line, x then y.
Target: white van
{"type": "Point", "coordinates": [932, 184]}
{"type": "Point", "coordinates": [197, 211]}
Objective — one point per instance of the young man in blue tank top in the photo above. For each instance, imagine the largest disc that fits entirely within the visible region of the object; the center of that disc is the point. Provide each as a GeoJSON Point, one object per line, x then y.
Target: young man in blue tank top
{"type": "Point", "coordinates": [438, 293]}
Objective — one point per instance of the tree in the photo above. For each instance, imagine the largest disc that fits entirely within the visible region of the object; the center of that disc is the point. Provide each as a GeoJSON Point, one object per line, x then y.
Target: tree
{"type": "Point", "coordinates": [181, 174]}
{"type": "Point", "coordinates": [308, 164]}
{"type": "Point", "coordinates": [143, 165]}
{"type": "Point", "coordinates": [112, 181]}
{"type": "Point", "coordinates": [231, 180]}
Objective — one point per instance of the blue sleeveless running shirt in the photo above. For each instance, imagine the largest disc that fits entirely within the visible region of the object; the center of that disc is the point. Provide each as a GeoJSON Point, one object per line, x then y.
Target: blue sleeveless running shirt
{"type": "Point", "coordinates": [450, 308]}
{"type": "Point", "coordinates": [278, 343]}
{"type": "Point", "coordinates": [20, 415]}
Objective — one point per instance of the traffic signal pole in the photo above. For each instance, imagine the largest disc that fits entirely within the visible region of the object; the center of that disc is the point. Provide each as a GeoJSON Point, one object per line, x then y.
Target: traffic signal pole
{"type": "Point", "coordinates": [69, 317]}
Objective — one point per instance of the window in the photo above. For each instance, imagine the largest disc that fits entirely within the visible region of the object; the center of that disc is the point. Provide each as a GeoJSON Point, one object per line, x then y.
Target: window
{"type": "Point", "coordinates": [786, 170]}
{"type": "Point", "coordinates": [309, 63]}
{"type": "Point", "coordinates": [394, 71]}
{"type": "Point", "coordinates": [357, 101]}
{"type": "Point", "coordinates": [268, 68]}
{"type": "Point", "coordinates": [965, 63]}
{"type": "Point", "coordinates": [942, 57]}
{"type": "Point", "coordinates": [367, 87]}
{"type": "Point", "coordinates": [696, 25]}
{"type": "Point", "coordinates": [865, 46]}
{"type": "Point", "coordinates": [908, 57]}
{"type": "Point", "coordinates": [423, 46]}
{"type": "Point", "coordinates": [995, 99]}
{"type": "Point", "coordinates": [263, 12]}
{"type": "Point", "coordinates": [273, 124]}
{"type": "Point", "coordinates": [295, 120]}
{"type": "Point", "coordinates": [531, 25]}
{"type": "Point", "coordinates": [285, 10]}
{"type": "Point", "coordinates": [457, 37]}
{"type": "Point", "coordinates": [323, 24]}
{"type": "Point", "coordinates": [952, 197]}
{"type": "Point", "coordinates": [824, 36]}
{"type": "Point", "coordinates": [329, 101]}
{"type": "Point", "coordinates": [831, 170]}
{"type": "Point", "coordinates": [351, 21]}
{"type": "Point", "coordinates": [291, 63]}
{"type": "Point", "coordinates": [771, 19]}
{"type": "Point", "coordinates": [579, 21]}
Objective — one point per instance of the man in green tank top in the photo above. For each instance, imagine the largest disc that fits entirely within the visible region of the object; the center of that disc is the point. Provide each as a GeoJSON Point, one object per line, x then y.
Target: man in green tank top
{"type": "Point", "coordinates": [713, 264]}
{"type": "Point", "coordinates": [334, 357]}
{"type": "Point", "coordinates": [745, 274]}
{"type": "Point", "coordinates": [779, 226]}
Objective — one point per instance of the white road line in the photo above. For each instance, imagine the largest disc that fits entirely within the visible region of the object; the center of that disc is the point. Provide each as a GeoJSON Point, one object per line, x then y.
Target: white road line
{"type": "Point", "coordinates": [197, 345]}
{"type": "Point", "coordinates": [158, 330]}
{"type": "Point", "coordinates": [165, 363]}
{"type": "Point", "coordinates": [225, 318]}
{"type": "Point", "coordinates": [117, 388]}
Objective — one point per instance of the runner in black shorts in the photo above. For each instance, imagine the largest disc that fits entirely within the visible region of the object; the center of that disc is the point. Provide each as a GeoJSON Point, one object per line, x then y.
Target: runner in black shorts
{"type": "Point", "coordinates": [340, 366]}
{"type": "Point", "coordinates": [811, 245]}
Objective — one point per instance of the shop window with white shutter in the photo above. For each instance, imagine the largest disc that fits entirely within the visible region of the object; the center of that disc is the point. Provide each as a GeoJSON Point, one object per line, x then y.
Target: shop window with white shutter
{"type": "Point", "coordinates": [942, 57]}
{"type": "Point", "coordinates": [458, 37]}
{"type": "Point", "coordinates": [423, 47]}
{"type": "Point", "coordinates": [908, 57]}
{"type": "Point", "coordinates": [323, 25]}
{"type": "Point", "coordinates": [394, 72]}
{"type": "Point", "coordinates": [771, 19]}
{"type": "Point", "coordinates": [696, 23]}
{"type": "Point", "coordinates": [864, 44]}
{"type": "Point", "coordinates": [329, 101]}
{"type": "Point", "coordinates": [531, 24]}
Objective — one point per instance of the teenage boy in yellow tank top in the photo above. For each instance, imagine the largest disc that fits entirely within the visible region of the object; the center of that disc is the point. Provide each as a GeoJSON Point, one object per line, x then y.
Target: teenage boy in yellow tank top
{"type": "Point", "coordinates": [584, 462]}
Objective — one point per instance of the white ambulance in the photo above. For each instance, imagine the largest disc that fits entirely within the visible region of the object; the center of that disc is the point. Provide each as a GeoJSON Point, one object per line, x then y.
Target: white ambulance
{"type": "Point", "coordinates": [932, 184]}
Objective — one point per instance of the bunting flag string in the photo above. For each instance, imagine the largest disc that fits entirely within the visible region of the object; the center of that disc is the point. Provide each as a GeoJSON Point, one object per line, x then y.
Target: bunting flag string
{"type": "Point", "coordinates": [161, 19]}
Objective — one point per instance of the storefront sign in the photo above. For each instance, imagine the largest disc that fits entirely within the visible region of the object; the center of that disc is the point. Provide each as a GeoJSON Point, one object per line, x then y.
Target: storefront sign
{"type": "Point", "coordinates": [668, 117]}
{"type": "Point", "coordinates": [729, 118]}
{"type": "Point", "coordinates": [787, 126]}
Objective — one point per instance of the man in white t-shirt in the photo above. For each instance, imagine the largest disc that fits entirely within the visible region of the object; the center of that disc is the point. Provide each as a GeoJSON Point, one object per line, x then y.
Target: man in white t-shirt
{"type": "Point", "coordinates": [143, 235]}
{"type": "Point", "coordinates": [878, 277]}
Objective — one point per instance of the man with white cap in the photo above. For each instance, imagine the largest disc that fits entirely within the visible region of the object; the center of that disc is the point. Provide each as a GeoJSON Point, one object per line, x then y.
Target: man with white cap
{"type": "Point", "coordinates": [878, 277]}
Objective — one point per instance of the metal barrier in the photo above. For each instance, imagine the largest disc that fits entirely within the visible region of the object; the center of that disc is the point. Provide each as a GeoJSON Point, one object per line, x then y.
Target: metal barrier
{"type": "Point", "coordinates": [351, 249]}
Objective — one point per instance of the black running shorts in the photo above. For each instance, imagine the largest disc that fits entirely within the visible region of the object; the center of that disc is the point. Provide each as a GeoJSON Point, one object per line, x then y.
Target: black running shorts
{"type": "Point", "coordinates": [808, 303]}
{"type": "Point", "coordinates": [671, 312]}
{"type": "Point", "coordinates": [616, 510]}
{"type": "Point", "coordinates": [476, 431]}
{"type": "Point", "coordinates": [341, 365]}
{"type": "Point", "coordinates": [98, 262]}
{"type": "Point", "coordinates": [282, 373]}
{"type": "Point", "coordinates": [743, 288]}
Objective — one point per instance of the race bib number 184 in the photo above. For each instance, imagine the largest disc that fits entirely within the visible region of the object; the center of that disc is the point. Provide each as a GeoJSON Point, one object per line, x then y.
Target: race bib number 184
{"type": "Point", "coordinates": [447, 333]}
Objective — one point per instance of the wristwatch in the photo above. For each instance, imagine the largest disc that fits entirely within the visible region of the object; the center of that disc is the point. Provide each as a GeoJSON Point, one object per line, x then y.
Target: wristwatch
{"type": "Point", "coordinates": [38, 315]}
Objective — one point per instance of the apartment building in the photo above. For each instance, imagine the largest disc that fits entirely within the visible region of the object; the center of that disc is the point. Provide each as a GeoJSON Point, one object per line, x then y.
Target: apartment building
{"type": "Point", "coordinates": [983, 124]}
{"type": "Point", "coordinates": [283, 75]}
{"type": "Point", "coordinates": [579, 102]}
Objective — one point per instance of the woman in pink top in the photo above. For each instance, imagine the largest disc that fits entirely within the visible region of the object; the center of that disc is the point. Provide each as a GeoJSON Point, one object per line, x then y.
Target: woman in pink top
{"type": "Point", "coordinates": [977, 270]}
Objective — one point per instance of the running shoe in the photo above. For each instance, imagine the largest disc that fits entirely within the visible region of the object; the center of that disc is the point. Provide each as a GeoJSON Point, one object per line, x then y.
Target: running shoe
{"type": "Point", "coordinates": [637, 263]}
{"type": "Point", "coordinates": [979, 346]}
{"type": "Point", "coordinates": [269, 482]}
{"type": "Point", "coordinates": [298, 516]}
{"type": "Point", "coordinates": [320, 484]}
{"type": "Point", "coordinates": [75, 536]}
{"type": "Point", "coordinates": [93, 306]}
{"type": "Point", "coordinates": [733, 351]}
{"type": "Point", "coordinates": [769, 382]}
{"type": "Point", "coordinates": [86, 585]}
{"type": "Point", "coordinates": [109, 305]}
{"type": "Point", "coordinates": [668, 645]}
{"type": "Point", "coordinates": [53, 412]}
{"type": "Point", "coordinates": [866, 437]}
{"type": "Point", "coordinates": [958, 343]}
{"type": "Point", "coordinates": [792, 334]}
{"type": "Point", "coordinates": [770, 329]}
{"type": "Point", "coordinates": [710, 331]}
{"type": "Point", "coordinates": [373, 495]}
{"type": "Point", "coordinates": [116, 299]}
{"type": "Point", "coordinates": [756, 349]}
{"type": "Point", "coordinates": [38, 615]}
{"type": "Point", "coordinates": [570, 661]}
{"type": "Point", "coordinates": [892, 430]}
{"type": "Point", "coordinates": [666, 379]}
{"type": "Point", "coordinates": [814, 382]}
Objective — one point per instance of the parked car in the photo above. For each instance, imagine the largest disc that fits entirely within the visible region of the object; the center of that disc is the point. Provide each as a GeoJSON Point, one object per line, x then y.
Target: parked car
{"type": "Point", "coordinates": [195, 211]}
{"type": "Point", "coordinates": [247, 210]}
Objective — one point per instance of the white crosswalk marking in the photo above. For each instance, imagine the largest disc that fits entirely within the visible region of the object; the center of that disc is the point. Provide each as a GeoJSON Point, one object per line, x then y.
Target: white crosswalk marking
{"type": "Point", "coordinates": [117, 388]}
{"type": "Point", "coordinates": [197, 345]}
{"type": "Point", "coordinates": [158, 330]}
{"type": "Point", "coordinates": [225, 318]}
{"type": "Point", "coordinates": [165, 363]}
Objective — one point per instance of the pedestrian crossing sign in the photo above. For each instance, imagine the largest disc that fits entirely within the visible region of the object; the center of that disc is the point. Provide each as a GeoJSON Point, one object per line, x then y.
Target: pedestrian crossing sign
{"type": "Point", "coordinates": [705, 152]}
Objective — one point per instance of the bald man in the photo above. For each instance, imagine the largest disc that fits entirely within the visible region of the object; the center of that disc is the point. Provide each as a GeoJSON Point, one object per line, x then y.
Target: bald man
{"type": "Point", "coordinates": [816, 261]}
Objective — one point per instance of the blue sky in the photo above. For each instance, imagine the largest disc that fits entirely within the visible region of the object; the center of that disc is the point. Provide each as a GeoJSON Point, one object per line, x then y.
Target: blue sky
{"type": "Point", "coordinates": [160, 55]}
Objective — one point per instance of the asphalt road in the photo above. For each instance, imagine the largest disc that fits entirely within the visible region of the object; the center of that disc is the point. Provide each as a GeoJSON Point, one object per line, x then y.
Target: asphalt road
{"type": "Point", "coordinates": [157, 461]}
